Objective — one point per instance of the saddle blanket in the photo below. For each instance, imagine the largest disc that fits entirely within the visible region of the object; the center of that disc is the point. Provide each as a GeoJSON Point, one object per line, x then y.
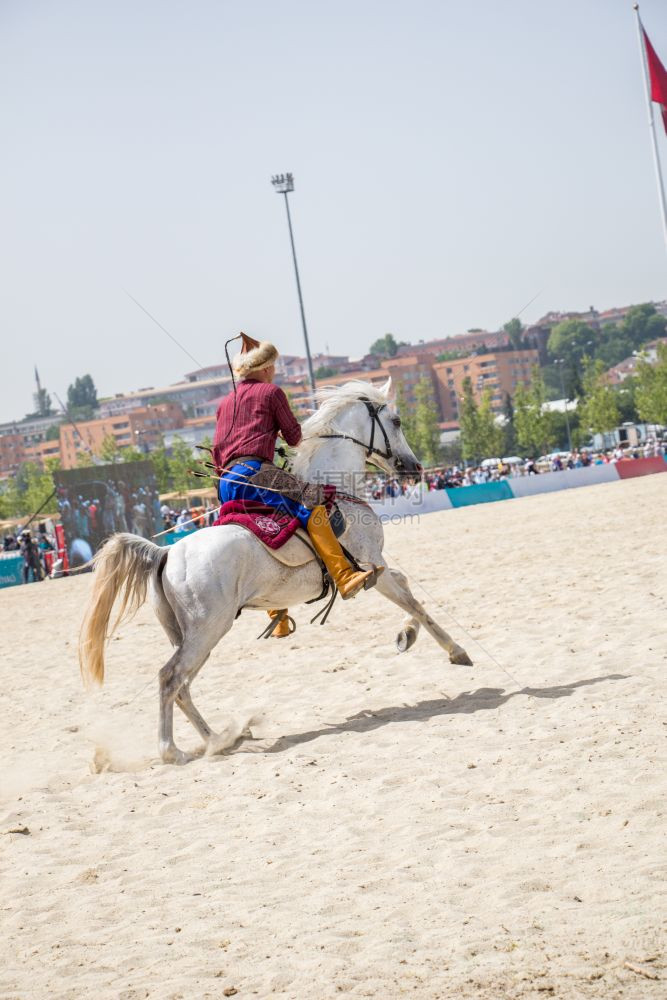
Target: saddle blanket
{"type": "Point", "coordinates": [272, 526]}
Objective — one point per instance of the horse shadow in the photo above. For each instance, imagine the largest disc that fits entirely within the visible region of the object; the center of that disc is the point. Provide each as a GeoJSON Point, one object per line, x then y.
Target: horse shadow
{"type": "Point", "coordinates": [466, 703]}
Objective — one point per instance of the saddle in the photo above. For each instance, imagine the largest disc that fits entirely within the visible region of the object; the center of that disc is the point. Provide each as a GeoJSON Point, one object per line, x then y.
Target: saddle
{"type": "Point", "coordinates": [298, 549]}
{"type": "Point", "coordinates": [287, 542]}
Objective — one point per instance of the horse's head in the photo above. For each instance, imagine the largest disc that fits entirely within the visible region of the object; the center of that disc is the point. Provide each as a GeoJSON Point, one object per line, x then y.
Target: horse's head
{"type": "Point", "coordinates": [363, 413]}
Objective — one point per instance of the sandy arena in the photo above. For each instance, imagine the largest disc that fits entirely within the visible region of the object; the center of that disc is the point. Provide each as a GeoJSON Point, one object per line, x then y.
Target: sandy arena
{"type": "Point", "coordinates": [397, 826]}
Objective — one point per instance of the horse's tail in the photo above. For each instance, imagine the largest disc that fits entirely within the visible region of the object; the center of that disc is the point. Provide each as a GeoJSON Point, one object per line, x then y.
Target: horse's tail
{"type": "Point", "coordinates": [122, 566]}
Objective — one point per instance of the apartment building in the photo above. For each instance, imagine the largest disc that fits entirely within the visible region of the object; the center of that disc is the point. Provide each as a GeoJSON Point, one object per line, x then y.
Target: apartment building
{"type": "Point", "coordinates": [194, 431]}
{"type": "Point", "coordinates": [185, 394]}
{"type": "Point", "coordinates": [408, 371]}
{"type": "Point", "coordinates": [142, 428]}
{"type": "Point", "coordinates": [26, 441]}
{"type": "Point", "coordinates": [12, 452]}
{"type": "Point", "coordinates": [220, 371]}
{"type": "Point", "coordinates": [41, 450]}
{"type": "Point", "coordinates": [500, 372]}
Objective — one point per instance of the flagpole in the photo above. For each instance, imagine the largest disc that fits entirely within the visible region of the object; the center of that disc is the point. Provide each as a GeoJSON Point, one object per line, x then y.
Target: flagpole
{"type": "Point", "coordinates": [651, 124]}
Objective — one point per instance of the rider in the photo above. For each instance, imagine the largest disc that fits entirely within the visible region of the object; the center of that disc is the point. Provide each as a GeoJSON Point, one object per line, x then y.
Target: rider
{"type": "Point", "coordinates": [248, 423]}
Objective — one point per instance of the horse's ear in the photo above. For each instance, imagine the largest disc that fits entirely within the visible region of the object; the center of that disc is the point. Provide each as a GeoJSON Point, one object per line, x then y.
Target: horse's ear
{"type": "Point", "coordinates": [386, 388]}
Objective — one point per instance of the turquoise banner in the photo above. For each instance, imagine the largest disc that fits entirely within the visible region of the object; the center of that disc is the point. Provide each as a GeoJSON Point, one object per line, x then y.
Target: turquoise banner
{"type": "Point", "coordinates": [464, 496]}
{"type": "Point", "coordinates": [11, 566]}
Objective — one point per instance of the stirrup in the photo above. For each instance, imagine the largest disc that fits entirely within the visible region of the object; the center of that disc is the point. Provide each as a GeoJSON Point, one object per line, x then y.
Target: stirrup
{"type": "Point", "coordinates": [370, 581]}
{"type": "Point", "coordinates": [273, 624]}
{"type": "Point", "coordinates": [373, 579]}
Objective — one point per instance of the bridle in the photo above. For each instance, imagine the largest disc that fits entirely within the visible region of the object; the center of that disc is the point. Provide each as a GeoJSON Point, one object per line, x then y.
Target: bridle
{"type": "Point", "coordinates": [374, 410]}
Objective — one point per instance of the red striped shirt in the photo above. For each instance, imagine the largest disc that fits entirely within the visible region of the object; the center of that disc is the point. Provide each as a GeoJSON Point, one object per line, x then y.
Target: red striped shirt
{"type": "Point", "coordinates": [262, 413]}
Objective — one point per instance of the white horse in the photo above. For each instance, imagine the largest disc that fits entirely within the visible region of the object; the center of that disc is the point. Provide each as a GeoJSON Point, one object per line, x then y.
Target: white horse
{"type": "Point", "coordinates": [199, 585]}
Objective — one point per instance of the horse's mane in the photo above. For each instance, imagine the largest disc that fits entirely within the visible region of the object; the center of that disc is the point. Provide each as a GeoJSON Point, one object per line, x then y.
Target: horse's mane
{"type": "Point", "coordinates": [333, 399]}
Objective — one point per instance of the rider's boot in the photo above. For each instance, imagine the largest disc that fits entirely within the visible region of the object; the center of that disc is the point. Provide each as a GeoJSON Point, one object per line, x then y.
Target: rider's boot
{"type": "Point", "coordinates": [282, 629]}
{"type": "Point", "coordinates": [348, 580]}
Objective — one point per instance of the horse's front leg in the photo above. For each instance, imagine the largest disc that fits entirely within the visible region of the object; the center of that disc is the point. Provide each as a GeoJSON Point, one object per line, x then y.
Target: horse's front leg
{"type": "Point", "coordinates": [394, 586]}
{"type": "Point", "coordinates": [407, 637]}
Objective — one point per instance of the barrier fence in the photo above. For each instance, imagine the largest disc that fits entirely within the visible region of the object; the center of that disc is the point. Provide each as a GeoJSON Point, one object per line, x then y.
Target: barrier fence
{"type": "Point", "coordinates": [11, 563]}
{"type": "Point", "coordinates": [521, 486]}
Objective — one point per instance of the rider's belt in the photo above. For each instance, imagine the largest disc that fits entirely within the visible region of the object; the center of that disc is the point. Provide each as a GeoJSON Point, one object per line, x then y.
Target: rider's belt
{"type": "Point", "coordinates": [238, 459]}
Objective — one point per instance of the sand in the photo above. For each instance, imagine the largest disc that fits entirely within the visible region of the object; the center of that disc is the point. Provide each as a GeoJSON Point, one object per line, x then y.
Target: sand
{"type": "Point", "coordinates": [397, 826]}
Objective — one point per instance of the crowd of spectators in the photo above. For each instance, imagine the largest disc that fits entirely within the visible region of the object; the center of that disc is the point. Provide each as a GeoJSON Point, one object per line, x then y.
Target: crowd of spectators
{"type": "Point", "coordinates": [187, 520]}
{"type": "Point", "coordinates": [36, 552]}
{"type": "Point", "coordinates": [121, 508]}
{"type": "Point", "coordinates": [495, 469]}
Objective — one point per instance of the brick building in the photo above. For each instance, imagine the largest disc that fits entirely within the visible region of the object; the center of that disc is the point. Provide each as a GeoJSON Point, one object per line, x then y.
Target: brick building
{"type": "Point", "coordinates": [185, 394]}
{"type": "Point", "coordinates": [12, 452]}
{"type": "Point", "coordinates": [41, 450]}
{"type": "Point", "coordinates": [501, 372]}
{"type": "Point", "coordinates": [408, 371]}
{"type": "Point", "coordinates": [142, 428]}
{"type": "Point", "coordinates": [26, 441]}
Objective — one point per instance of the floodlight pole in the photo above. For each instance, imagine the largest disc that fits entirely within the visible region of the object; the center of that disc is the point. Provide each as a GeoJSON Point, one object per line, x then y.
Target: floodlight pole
{"type": "Point", "coordinates": [283, 184]}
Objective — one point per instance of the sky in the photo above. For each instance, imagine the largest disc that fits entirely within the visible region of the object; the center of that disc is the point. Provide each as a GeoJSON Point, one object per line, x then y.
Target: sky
{"type": "Point", "coordinates": [452, 160]}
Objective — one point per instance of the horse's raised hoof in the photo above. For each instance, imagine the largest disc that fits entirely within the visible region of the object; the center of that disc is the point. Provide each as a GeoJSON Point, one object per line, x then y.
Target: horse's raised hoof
{"type": "Point", "coordinates": [460, 657]}
{"type": "Point", "coordinates": [406, 638]}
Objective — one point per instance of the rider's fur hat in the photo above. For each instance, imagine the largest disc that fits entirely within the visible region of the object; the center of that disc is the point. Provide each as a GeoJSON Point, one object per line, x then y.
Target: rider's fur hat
{"type": "Point", "coordinates": [254, 356]}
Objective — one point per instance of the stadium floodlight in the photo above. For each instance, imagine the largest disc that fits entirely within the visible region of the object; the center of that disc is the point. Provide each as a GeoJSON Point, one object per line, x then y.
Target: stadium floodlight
{"type": "Point", "coordinates": [284, 184]}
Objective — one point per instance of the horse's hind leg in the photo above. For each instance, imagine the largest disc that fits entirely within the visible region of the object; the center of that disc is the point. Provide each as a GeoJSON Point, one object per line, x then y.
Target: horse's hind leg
{"type": "Point", "coordinates": [171, 679]}
{"type": "Point", "coordinates": [187, 707]}
{"type": "Point", "coordinates": [175, 678]}
{"type": "Point", "coordinates": [394, 586]}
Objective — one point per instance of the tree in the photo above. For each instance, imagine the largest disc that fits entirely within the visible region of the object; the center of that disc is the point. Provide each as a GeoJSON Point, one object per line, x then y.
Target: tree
{"type": "Point", "coordinates": [490, 434]}
{"type": "Point", "coordinates": [386, 346]}
{"type": "Point", "coordinates": [84, 459]}
{"type": "Point", "coordinates": [481, 437]}
{"type": "Point", "coordinates": [514, 330]}
{"type": "Point", "coordinates": [42, 403]}
{"type": "Point", "coordinates": [325, 371]}
{"type": "Point", "coordinates": [110, 450]}
{"type": "Point", "coordinates": [10, 498]}
{"type": "Point", "coordinates": [25, 493]}
{"type": "Point", "coordinates": [534, 425]}
{"type": "Point", "coordinates": [571, 340]}
{"type": "Point", "coordinates": [52, 433]}
{"type": "Point", "coordinates": [407, 417]}
{"type": "Point", "coordinates": [40, 486]}
{"type": "Point", "coordinates": [598, 409]}
{"type": "Point", "coordinates": [509, 430]}
{"type": "Point", "coordinates": [651, 388]}
{"type": "Point", "coordinates": [469, 422]}
{"type": "Point", "coordinates": [642, 324]}
{"type": "Point", "coordinates": [627, 401]}
{"type": "Point", "coordinates": [132, 454]}
{"type": "Point", "coordinates": [614, 345]}
{"type": "Point", "coordinates": [181, 461]}
{"type": "Point", "coordinates": [451, 355]}
{"type": "Point", "coordinates": [426, 429]}
{"type": "Point", "coordinates": [82, 393]}
{"type": "Point", "coordinates": [160, 461]}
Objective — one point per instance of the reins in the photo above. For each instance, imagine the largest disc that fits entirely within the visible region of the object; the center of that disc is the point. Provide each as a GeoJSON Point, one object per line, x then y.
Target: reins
{"type": "Point", "coordinates": [374, 413]}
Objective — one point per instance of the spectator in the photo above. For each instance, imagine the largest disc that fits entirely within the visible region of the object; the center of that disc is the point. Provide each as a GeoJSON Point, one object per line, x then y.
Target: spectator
{"type": "Point", "coordinates": [32, 565]}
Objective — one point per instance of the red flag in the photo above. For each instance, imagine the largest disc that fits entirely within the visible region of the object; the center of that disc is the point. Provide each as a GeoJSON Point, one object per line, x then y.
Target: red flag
{"type": "Point", "coordinates": [658, 76]}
